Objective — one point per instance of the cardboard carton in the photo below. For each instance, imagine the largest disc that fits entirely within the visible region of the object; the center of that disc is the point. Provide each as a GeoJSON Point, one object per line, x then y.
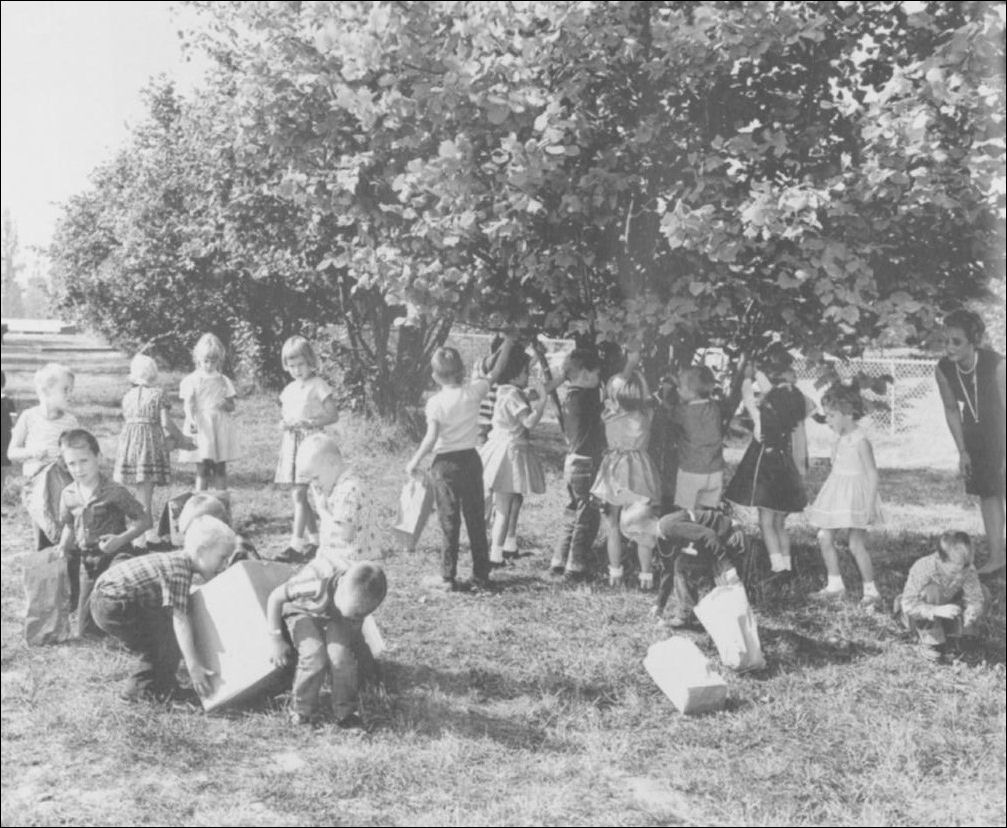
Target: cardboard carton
{"type": "Point", "coordinates": [683, 673]}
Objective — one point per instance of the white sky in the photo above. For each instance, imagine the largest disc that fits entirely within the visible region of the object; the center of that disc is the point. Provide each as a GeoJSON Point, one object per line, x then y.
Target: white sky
{"type": "Point", "coordinates": [71, 81]}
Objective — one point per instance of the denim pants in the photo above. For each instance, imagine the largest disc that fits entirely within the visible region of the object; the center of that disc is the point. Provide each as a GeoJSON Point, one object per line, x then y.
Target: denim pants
{"type": "Point", "coordinates": [84, 568]}
{"type": "Point", "coordinates": [935, 631]}
{"type": "Point", "coordinates": [332, 647]}
{"type": "Point", "coordinates": [147, 632]}
{"type": "Point", "coordinates": [457, 479]}
{"type": "Point", "coordinates": [581, 520]}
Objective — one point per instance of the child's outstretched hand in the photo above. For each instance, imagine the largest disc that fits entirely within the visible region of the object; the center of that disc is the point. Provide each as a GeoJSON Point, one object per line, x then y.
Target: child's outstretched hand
{"type": "Point", "coordinates": [201, 679]}
{"type": "Point", "coordinates": [280, 652]}
{"type": "Point", "coordinates": [949, 611]}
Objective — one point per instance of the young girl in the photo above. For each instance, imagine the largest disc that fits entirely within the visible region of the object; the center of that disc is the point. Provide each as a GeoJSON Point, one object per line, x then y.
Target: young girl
{"type": "Point", "coordinates": [510, 467]}
{"type": "Point", "coordinates": [457, 471]}
{"type": "Point", "coordinates": [626, 474]}
{"type": "Point", "coordinates": [849, 499]}
{"type": "Point", "coordinates": [35, 444]}
{"type": "Point", "coordinates": [208, 400]}
{"type": "Point", "coordinates": [142, 456]}
{"type": "Point", "coordinates": [767, 476]}
{"type": "Point", "coordinates": [307, 406]}
{"type": "Point", "coordinates": [697, 419]}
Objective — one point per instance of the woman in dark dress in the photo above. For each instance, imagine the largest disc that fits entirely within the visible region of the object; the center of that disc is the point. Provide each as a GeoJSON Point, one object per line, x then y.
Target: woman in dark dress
{"type": "Point", "coordinates": [971, 382]}
{"type": "Point", "coordinates": [767, 477]}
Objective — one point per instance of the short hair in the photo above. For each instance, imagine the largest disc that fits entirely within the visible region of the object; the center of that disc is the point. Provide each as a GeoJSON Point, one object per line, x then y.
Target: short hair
{"type": "Point", "coordinates": [582, 359]}
{"type": "Point", "coordinates": [954, 540]}
{"type": "Point", "coordinates": [777, 364]}
{"type": "Point", "coordinates": [517, 361]}
{"type": "Point", "coordinates": [845, 398]}
{"type": "Point", "coordinates": [48, 375]}
{"type": "Point", "coordinates": [209, 347]}
{"type": "Point", "coordinates": [142, 370]}
{"type": "Point", "coordinates": [968, 322]}
{"type": "Point", "coordinates": [79, 438]}
{"type": "Point", "coordinates": [630, 393]}
{"type": "Point", "coordinates": [315, 446]}
{"type": "Point", "coordinates": [363, 587]}
{"type": "Point", "coordinates": [699, 379]}
{"type": "Point", "coordinates": [203, 503]}
{"type": "Point", "coordinates": [298, 346]}
{"type": "Point", "coordinates": [447, 365]}
{"type": "Point", "coordinates": [207, 532]}
{"type": "Point", "coordinates": [635, 516]}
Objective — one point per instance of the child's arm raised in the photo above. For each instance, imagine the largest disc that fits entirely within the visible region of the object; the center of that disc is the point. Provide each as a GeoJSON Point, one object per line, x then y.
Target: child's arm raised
{"type": "Point", "coordinates": [537, 409]}
{"type": "Point", "coordinates": [200, 675]}
{"type": "Point", "coordinates": [500, 360]}
{"type": "Point", "coordinates": [279, 650]}
{"type": "Point", "coordinates": [632, 361]}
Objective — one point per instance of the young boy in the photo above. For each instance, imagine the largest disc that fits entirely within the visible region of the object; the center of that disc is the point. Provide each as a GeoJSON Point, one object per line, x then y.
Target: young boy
{"type": "Point", "coordinates": [144, 602]}
{"type": "Point", "coordinates": [585, 438]}
{"type": "Point", "coordinates": [697, 419]}
{"type": "Point", "coordinates": [943, 596]}
{"type": "Point", "coordinates": [100, 520]}
{"type": "Point", "coordinates": [324, 606]}
{"type": "Point", "coordinates": [695, 548]}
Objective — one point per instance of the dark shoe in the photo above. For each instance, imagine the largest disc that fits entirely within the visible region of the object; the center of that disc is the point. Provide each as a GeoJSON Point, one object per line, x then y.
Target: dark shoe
{"type": "Point", "coordinates": [351, 722]}
{"type": "Point", "coordinates": [511, 556]}
{"type": "Point", "coordinates": [778, 579]}
{"type": "Point", "coordinates": [557, 571]}
{"type": "Point", "coordinates": [291, 555]}
{"type": "Point", "coordinates": [576, 577]}
{"type": "Point", "coordinates": [160, 546]}
{"type": "Point", "coordinates": [498, 564]}
{"type": "Point", "coordinates": [309, 551]}
{"type": "Point", "coordinates": [134, 692]}
{"type": "Point", "coordinates": [483, 584]}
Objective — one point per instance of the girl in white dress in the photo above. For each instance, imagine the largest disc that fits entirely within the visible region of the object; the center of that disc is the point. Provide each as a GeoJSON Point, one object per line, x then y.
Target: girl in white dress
{"type": "Point", "coordinates": [208, 401]}
{"type": "Point", "coordinates": [307, 406]}
{"type": "Point", "coordinates": [849, 499]}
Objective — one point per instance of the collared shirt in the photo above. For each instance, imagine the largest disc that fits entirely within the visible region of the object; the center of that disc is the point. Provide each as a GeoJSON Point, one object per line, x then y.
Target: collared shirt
{"type": "Point", "coordinates": [105, 512]}
{"type": "Point", "coordinates": [961, 586]}
{"type": "Point", "coordinates": [347, 506]}
{"type": "Point", "coordinates": [309, 591]}
{"type": "Point", "coordinates": [159, 579]}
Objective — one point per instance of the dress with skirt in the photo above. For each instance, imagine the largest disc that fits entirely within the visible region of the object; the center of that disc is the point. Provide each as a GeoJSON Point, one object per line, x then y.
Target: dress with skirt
{"type": "Point", "coordinates": [142, 454]}
{"type": "Point", "coordinates": [300, 400]}
{"type": "Point", "coordinates": [845, 501]}
{"type": "Point", "coordinates": [510, 465]}
{"type": "Point", "coordinates": [215, 435]}
{"type": "Point", "coordinates": [627, 474]}
{"type": "Point", "coordinates": [767, 476]}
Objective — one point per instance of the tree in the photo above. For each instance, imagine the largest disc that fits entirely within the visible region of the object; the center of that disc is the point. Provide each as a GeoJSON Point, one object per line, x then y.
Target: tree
{"type": "Point", "coordinates": [12, 300]}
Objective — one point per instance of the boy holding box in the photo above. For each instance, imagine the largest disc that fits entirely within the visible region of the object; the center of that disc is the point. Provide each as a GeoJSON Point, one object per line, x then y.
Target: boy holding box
{"type": "Point", "coordinates": [144, 602]}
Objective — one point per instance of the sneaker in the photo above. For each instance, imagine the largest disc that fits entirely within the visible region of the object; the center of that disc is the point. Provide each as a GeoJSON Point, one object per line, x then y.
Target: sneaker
{"type": "Point", "coordinates": [483, 584]}
{"type": "Point", "coordinates": [309, 551]}
{"type": "Point", "coordinates": [828, 594]}
{"type": "Point", "coordinates": [870, 602]}
{"type": "Point", "coordinates": [677, 620]}
{"type": "Point", "coordinates": [929, 652]}
{"type": "Point", "coordinates": [646, 580]}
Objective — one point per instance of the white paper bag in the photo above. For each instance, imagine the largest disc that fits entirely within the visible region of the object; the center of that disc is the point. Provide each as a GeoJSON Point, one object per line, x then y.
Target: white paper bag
{"type": "Point", "coordinates": [415, 505]}
{"type": "Point", "coordinates": [728, 618]}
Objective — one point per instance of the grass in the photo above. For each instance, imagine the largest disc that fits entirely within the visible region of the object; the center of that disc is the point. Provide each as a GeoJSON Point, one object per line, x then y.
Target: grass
{"type": "Point", "coordinates": [527, 707]}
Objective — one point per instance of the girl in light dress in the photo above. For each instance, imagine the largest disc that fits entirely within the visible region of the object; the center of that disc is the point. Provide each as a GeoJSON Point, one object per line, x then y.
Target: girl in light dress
{"type": "Point", "coordinates": [627, 474]}
{"type": "Point", "coordinates": [141, 459]}
{"type": "Point", "coordinates": [849, 499]}
{"type": "Point", "coordinates": [307, 406]}
{"type": "Point", "coordinates": [208, 401]}
{"type": "Point", "coordinates": [511, 469]}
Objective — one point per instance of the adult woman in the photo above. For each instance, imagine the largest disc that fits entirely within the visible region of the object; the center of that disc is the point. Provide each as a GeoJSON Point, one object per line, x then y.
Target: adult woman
{"type": "Point", "coordinates": [971, 382]}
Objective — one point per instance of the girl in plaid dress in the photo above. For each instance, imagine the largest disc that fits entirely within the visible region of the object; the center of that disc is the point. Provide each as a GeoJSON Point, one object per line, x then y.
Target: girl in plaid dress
{"type": "Point", "coordinates": [142, 456]}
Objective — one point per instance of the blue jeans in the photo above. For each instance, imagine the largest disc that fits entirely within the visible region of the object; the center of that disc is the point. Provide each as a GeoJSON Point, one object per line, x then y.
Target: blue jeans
{"type": "Point", "coordinates": [326, 646]}
{"type": "Point", "coordinates": [457, 479]}
{"type": "Point", "coordinates": [581, 520]}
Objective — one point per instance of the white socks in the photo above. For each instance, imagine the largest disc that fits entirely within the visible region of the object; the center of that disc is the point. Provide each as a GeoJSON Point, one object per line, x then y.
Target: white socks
{"type": "Point", "coordinates": [780, 563]}
{"type": "Point", "coordinates": [835, 584]}
{"type": "Point", "coordinates": [870, 590]}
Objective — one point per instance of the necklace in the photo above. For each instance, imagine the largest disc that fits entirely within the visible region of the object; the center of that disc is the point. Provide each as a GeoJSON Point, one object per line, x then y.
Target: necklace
{"type": "Point", "coordinates": [971, 403]}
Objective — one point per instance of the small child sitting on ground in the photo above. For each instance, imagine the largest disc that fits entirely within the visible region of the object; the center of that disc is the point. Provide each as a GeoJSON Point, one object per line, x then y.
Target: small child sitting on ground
{"type": "Point", "coordinates": [100, 520]}
{"type": "Point", "coordinates": [694, 547]}
{"type": "Point", "coordinates": [144, 602]}
{"type": "Point", "coordinates": [943, 596]}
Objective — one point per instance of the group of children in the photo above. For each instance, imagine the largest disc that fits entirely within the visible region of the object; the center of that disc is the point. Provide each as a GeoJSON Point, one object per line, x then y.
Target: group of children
{"type": "Point", "coordinates": [102, 529]}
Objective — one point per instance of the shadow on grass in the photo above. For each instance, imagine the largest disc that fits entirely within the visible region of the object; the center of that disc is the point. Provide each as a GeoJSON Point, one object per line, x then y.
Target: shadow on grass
{"type": "Point", "coordinates": [786, 650]}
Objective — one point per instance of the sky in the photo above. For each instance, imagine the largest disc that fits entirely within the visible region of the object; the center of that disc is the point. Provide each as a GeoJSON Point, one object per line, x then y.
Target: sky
{"type": "Point", "coordinates": [71, 82]}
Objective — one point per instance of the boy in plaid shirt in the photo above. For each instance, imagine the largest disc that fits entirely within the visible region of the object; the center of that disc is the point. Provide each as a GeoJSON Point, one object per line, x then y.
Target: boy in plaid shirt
{"type": "Point", "coordinates": [144, 602]}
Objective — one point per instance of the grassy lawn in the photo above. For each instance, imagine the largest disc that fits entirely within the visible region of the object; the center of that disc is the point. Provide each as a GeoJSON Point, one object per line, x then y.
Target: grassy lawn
{"type": "Point", "coordinates": [531, 706]}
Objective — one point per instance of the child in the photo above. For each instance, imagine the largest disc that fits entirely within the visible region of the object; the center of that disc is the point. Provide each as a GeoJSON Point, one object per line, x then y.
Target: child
{"type": "Point", "coordinates": [943, 595]}
{"type": "Point", "coordinates": [626, 474]}
{"type": "Point", "coordinates": [216, 505]}
{"type": "Point", "coordinates": [767, 477]}
{"type": "Point", "coordinates": [100, 520]}
{"type": "Point", "coordinates": [481, 370]}
{"type": "Point", "coordinates": [347, 530]}
{"type": "Point", "coordinates": [585, 444]}
{"type": "Point", "coordinates": [208, 400]}
{"type": "Point", "coordinates": [6, 424]}
{"type": "Point", "coordinates": [697, 419]}
{"type": "Point", "coordinates": [308, 405]}
{"type": "Point", "coordinates": [511, 469]}
{"type": "Point", "coordinates": [695, 549]}
{"type": "Point", "coordinates": [35, 444]}
{"type": "Point", "coordinates": [849, 499]}
{"type": "Point", "coordinates": [144, 602]}
{"type": "Point", "coordinates": [142, 456]}
{"type": "Point", "coordinates": [324, 606]}
{"type": "Point", "coordinates": [457, 473]}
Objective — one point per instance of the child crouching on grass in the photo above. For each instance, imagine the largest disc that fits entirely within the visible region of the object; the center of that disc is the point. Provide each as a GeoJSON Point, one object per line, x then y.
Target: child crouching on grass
{"type": "Point", "coordinates": [943, 597]}
{"type": "Point", "coordinates": [144, 602]}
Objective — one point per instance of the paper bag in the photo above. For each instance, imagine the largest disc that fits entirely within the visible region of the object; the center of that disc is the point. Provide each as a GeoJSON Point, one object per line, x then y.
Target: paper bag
{"type": "Point", "coordinates": [683, 673]}
{"type": "Point", "coordinates": [728, 618]}
{"type": "Point", "coordinates": [415, 505]}
{"type": "Point", "coordinates": [47, 590]}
